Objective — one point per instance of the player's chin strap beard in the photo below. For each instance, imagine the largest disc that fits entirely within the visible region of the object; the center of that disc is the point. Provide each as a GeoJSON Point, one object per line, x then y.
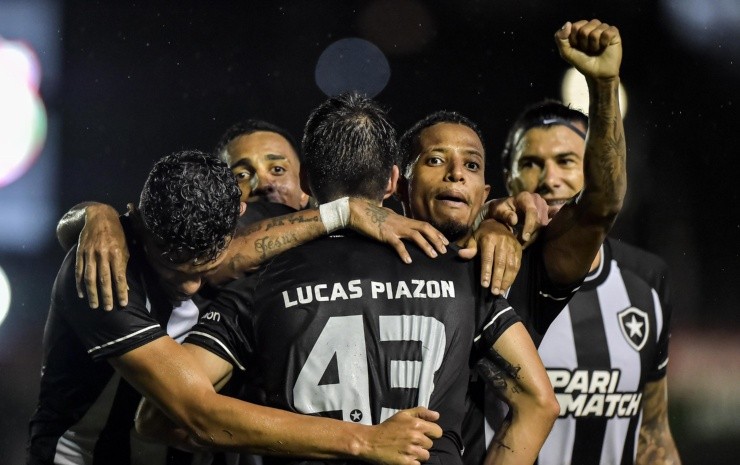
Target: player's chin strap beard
{"type": "Point", "coordinates": [452, 230]}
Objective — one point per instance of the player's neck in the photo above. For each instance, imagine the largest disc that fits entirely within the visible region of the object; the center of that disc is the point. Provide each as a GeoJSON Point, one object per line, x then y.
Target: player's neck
{"type": "Point", "coordinates": [596, 262]}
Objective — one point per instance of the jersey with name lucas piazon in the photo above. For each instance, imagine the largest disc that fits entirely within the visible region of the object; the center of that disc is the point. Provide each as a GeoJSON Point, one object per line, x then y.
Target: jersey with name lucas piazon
{"type": "Point", "coordinates": [342, 328]}
{"type": "Point", "coordinates": [85, 413]}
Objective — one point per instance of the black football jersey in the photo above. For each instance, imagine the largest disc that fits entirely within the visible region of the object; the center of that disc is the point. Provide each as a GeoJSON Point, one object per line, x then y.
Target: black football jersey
{"type": "Point", "coordinates": [342, 328]}
{"type": "Point", "coordinates": [85, 412]}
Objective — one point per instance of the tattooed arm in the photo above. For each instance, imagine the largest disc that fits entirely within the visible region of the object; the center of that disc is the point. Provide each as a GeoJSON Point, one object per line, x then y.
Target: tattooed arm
{"type": "Point", "coordinates": [102, 252]}
{"type": "Point", "coordinates": [265, 239]}
{"type": "Point", "coordinates": [575, 234]}
{"type": "Point", "coordinates": [514, 372]}
{"type": "Point", "coordinates": [656, 445]}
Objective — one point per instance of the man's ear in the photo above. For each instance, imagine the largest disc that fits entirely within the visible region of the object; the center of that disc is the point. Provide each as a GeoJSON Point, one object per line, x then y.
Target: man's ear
{"type": "Point", "coordinates": [390, 188]}
{"type": "Point", "coordinates": [242, 208]}
{"type": "Point", "coordinates": [487, 190]}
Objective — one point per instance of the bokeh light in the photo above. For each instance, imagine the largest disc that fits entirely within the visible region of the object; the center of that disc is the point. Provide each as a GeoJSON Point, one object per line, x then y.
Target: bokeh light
{"type": "Point", "coordinates": [352, 64]}
{"type": "Point", "coordinates": [22, 113]}
{"type": "Point", "coordinates": [4, 295]}
{"type": "Point", "coordinates": [574, 92]}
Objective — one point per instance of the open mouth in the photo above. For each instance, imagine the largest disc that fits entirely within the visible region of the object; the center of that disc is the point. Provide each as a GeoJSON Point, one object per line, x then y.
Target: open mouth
{"type": "Point", "coordinates": [452, 198]}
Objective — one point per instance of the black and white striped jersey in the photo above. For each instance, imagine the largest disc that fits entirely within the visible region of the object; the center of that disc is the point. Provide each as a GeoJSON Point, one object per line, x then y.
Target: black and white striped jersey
{"type": "Point", "coordinates": [85, 412]}
{"type": "Point", "coordinates": [341, 327]}
{"type": "Point", "coordinates": [600, 351]}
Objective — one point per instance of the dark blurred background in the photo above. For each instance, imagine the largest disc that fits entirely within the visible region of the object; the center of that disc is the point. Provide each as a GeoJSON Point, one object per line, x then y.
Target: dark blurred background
{"type": "Point", "coordinates": [96, 91]}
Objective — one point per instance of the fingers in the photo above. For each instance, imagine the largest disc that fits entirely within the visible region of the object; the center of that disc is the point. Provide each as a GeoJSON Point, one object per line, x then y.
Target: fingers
{"type": "Point", "coordinates": [494, 261]}
{"type": "Point", "coordinates": [436, 238]}
{"type": "Point", "coordinates": [104, 282]}
{"type": "Point", "coordinates": [562, 34]}
{"type": "Point", "coordinates": [513, 263]}
{"type": "Point", "coordinates": [530, 223]}
{"type": "Point", "coordinates": [470, 250]}
{"type": "Point", "coordinates": [423, 413]}
{"type": "Point", "coordinates": [79, 272]}
{"type": "Point", "coordinates": [427, 238]}
{"type": "Point", "coordinates": [590, 37]}
{"type": "Point", "coordinates": [90, 277]}
{"type": "Point", "coordinates": [500, 262]}
{"type": "Point", "coordinates": [119, 278]}
{"type": "Point", "coordinates": [400, 249]}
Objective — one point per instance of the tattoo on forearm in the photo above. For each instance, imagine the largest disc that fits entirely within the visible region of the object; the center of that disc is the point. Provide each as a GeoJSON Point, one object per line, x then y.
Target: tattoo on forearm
{"type": "Point", "coordinates": [300, 219]}
{"type": "Point", "coordinates": [273, 223]}
{"type": "Point", "coordinates": [268, 246]}
{"type": "Point", "coordinates": [655, 444]}
{"type": "Point", "coordinates": [606, 148]}
{"type": "Point", "coordinates": [297, 218]}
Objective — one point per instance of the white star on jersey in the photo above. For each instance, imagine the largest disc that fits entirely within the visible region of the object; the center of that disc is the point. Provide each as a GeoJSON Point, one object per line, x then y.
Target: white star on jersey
{"type": "Point", "coordinates": [634, 326]}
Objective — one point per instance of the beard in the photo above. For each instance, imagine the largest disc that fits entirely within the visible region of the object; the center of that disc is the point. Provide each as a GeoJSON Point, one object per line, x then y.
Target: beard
{"type": "Point", "coordinates": [452, 230]}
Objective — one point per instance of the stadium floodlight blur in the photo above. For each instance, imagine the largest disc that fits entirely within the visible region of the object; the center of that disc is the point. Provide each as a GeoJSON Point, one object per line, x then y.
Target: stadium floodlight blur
{"type": "Point", "coordinates": [574, 91]}
{"type": "Point", "coordinates": [22, 113]}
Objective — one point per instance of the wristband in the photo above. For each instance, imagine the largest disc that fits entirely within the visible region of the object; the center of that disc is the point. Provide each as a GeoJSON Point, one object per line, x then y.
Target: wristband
{"type": "Point", "coordinates": [335, 214]}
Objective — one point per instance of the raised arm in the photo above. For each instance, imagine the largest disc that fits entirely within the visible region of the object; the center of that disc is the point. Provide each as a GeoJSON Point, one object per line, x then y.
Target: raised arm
{"type": "Point", "coordinates": [170, 377]}
{"type": "Point", "coordinates": [575, 234]}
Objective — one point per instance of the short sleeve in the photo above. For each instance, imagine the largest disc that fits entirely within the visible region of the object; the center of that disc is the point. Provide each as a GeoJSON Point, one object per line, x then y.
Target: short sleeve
{"type": "Point", "coordinates": [225, 329]}
{"type": "Point", "coordinates": [105, 334]}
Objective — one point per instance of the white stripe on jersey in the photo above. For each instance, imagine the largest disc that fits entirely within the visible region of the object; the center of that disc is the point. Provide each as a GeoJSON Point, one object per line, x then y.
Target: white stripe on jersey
{"type": "Point", "coordinates": [493, 320]}
{"type": "Point", "coordinates": [658, 315]}
{"type": "Point", "coordinates": [613, 298]}
{"type": "Point", "coordinates": [120, 339]}
{"type": "Point", "coordinates": [182, 319]}
{"type": "Point", "coordinates": [76, 445]}
{"type": "Point", "coordinates": [558, 349]}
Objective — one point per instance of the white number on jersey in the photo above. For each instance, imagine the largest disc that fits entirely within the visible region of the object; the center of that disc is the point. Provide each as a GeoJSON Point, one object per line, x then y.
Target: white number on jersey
{"type": "Point", "coordinates": [343, 337]}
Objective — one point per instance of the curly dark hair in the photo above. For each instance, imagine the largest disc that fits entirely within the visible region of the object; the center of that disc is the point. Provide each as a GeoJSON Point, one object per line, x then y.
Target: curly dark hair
{"type": "Point", "coordinates": [411, 136]}
{"type": "Point", "coordinates": [190, 205]}
{"type": "Point", "coordinates": [349, 148]}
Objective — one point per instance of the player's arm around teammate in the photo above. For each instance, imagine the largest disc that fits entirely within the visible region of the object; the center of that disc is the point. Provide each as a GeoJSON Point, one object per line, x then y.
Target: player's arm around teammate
{"type": "Point", "coordinates": [172, 377]}
{"type": "Point", "coordinates": [102, 253]}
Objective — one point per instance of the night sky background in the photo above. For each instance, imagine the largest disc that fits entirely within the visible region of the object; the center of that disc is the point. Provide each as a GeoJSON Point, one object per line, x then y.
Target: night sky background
{"type": "Point", "coordinates": [129, 82]}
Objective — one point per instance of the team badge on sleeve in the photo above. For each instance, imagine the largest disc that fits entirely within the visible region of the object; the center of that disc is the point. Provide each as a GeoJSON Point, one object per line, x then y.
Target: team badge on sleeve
{"type": "Point", "coordinates": [635, 327]}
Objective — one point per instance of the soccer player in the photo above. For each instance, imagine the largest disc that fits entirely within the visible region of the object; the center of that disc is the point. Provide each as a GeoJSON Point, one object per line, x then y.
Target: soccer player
{"type": "Point", "coordinates": [256, 148]}
{"type": "Point", "coordinates": [445, 186]}
{"type": "Point", "coordinates": [95, 362]}
{"type": "Point", "coordinates": [339, 327]}
{"type": "Point", "coordinates": [607, 352]}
